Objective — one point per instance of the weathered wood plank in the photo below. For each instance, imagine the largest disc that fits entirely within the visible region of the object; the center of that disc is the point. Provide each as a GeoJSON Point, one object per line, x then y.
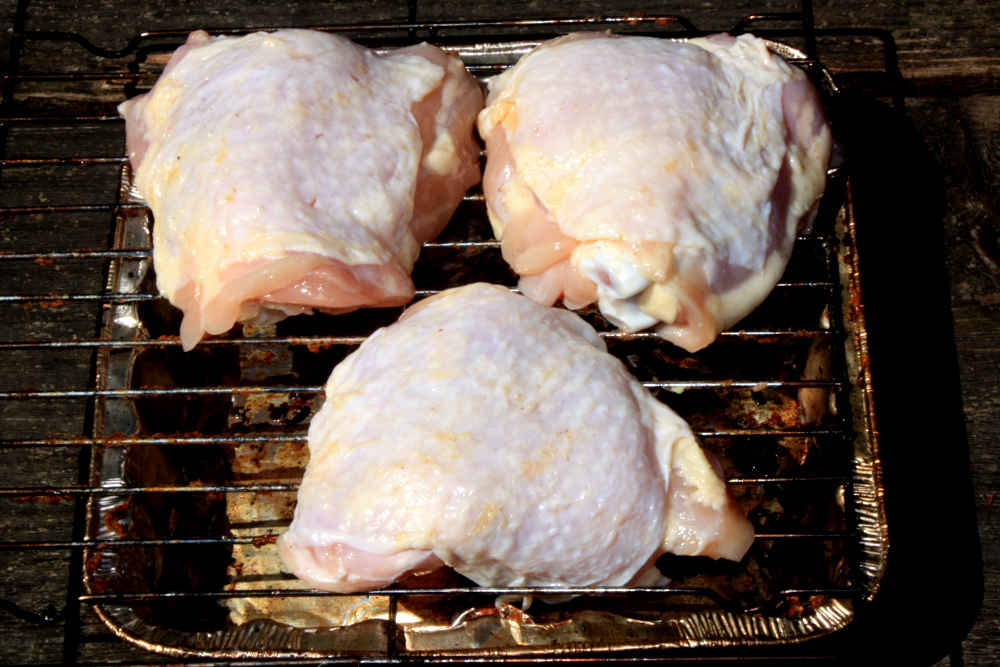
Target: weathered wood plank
{"type": "Point", "coordinates": [949, 56]}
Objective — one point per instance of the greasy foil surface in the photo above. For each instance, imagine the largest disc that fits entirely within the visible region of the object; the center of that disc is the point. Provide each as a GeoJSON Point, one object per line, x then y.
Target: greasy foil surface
{"type": "Point", "coordinates": [191, 567]}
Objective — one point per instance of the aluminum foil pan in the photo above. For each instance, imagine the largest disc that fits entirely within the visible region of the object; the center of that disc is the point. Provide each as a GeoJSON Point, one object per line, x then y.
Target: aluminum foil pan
{"type": "Point", "coordinates": [204, 450]}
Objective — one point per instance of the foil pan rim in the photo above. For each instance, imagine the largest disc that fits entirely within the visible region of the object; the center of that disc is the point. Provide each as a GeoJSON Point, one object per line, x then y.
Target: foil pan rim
{"type": "Point", "coordinates": [748, 631]}
{"type": "Point", "coordinates": [711, 629]}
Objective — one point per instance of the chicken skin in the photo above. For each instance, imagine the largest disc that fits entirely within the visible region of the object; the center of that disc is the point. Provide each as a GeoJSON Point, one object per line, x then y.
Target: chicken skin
{"type": "Point", "coordinates": [295, 170]}
{"type": "Point", "coordinates": [497, 436]}
{"type": "Point", "coordinates": [663, 179]}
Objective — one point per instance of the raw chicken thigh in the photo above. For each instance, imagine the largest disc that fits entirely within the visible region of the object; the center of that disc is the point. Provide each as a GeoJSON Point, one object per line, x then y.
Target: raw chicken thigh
{"type": "Point", "coordinates": [663, 179]}
{"type": "Point", "coordinates": [295, 170]}
{"type": "Point", "coordinates": [497, 436]}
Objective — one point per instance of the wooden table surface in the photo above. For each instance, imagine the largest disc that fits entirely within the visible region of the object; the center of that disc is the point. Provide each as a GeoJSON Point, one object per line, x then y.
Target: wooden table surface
{"type": "Point", "coordinates": [924, 151]}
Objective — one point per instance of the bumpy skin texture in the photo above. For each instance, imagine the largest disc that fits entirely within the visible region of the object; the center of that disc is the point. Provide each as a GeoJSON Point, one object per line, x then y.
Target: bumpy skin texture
{"type": "Point", "coordinates": [663, 179]}
{"type": "Point", "coordinates": [497, 436]}
{"type": "Point", "coordinates": [296, 170]}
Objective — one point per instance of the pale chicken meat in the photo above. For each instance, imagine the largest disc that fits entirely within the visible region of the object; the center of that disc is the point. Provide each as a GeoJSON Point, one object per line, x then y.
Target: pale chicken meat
{"type": "Point", "coordinates": [294, 170]}
{"type": "Point", "coordinates": [497, 436]}
{"type": "Point", "coordinates": [664, 179]}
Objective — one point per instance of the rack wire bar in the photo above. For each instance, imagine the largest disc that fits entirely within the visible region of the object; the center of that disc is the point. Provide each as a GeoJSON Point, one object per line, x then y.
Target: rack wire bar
{"type": "Point", "coordinates": [259, 488]}
{"type": "Point", "coordinates": [236, 439]}
{"type": "Point", "coordinates": [326, 341]}
{"type": "Point", "coordinates": [483, 591]}
{"type": "Point", "coordinates": [317, 389]}
{"type": "Point", "coordinates": [150, 296]}
{"type": "Point", "coordinates": [265, 538]}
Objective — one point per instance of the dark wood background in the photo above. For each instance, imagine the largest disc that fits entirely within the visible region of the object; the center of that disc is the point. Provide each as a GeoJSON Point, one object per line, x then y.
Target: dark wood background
{"type": "Point", "coordinates": [925, 156]}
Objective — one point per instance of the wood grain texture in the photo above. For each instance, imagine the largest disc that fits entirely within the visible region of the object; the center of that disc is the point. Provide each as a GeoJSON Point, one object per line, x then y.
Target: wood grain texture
{"type": "Point", "coordinates": [935, 41]}
{"type": "Point", "coordinates": [931, 181]}
{"type": "Point", "coordinates": [975, 279]}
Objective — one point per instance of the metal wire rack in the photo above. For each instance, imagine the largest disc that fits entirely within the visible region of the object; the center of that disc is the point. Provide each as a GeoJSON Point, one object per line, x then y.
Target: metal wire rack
{"type": "Point", "coordinates": [124, 450]}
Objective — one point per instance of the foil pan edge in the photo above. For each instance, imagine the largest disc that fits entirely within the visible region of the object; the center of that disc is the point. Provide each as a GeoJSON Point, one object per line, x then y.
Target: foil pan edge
{"type": "Point", "coordinates": [257, 639]}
